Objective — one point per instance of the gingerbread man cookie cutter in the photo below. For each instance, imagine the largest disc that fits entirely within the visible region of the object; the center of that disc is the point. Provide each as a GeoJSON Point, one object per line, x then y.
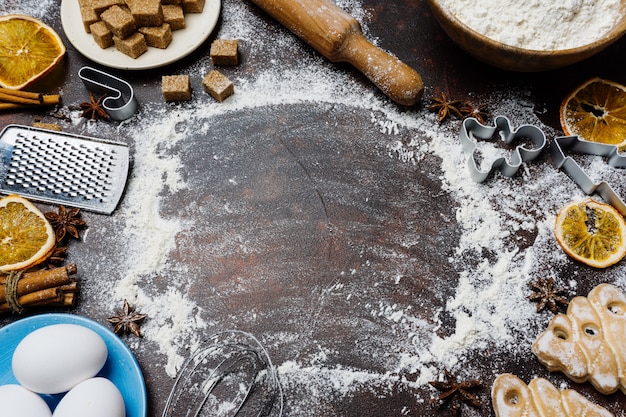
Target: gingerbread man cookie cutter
{"type": "Point", "coordinates": [563, 145]}
{"type": "Point", "coordinates": [472, 130]}
{"type": "Point", "coordinates": [120, 103]}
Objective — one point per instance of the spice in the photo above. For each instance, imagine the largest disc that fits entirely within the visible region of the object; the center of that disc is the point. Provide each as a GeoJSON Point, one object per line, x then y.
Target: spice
{"type": "Point", "coordinates": [444, 107]}
{"type": "Point", "coordinates": [127, 321]}
{"type": "Point", "coordinates": [47, 126]}
{"type": "Point", "coordinates": [50, 287]}
{"type": "Point", "coordinates": [546, 295]}
{"type": "Point", "coordinates": [479, 112]}
{"type": "Point", "coordinates": [456, 393]}
{"type": "Point", "coordinates": [17, 99]}
{"type": "Point", "coordinates": [65, 223]}
{"type": "Point", "coordinates": [57, 257]}
{"type": "Point", "coordinates": [461, 109]}
{"type": "Point", "coordinates": [93, 108]}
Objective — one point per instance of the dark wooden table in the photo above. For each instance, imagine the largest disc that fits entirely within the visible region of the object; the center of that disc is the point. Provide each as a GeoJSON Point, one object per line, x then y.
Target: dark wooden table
{"type": "Point", "coordinates": [299, 223]}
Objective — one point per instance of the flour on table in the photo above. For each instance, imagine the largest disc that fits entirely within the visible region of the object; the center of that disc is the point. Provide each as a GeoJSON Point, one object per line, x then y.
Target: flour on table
{"type": "Point", "coordinates": [40, 9]}
{"type": "Point", "coordinates": [490, 216]}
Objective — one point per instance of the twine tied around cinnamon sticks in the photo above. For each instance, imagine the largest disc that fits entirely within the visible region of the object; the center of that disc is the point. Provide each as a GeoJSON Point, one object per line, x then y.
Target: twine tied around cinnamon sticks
{"type": "Point", "coordinates": [17, 99]}
{"type": "Point", "coordinates": [49, 287]}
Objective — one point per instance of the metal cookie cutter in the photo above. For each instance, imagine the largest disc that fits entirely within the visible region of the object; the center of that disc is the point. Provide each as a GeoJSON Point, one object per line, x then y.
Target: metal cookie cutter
{"type": "Point", "coordinates": [472, 129]}
{"type": "Point", "coordinates": [563, 145]}
{"type": "Point", "coordinates": [120, 102]}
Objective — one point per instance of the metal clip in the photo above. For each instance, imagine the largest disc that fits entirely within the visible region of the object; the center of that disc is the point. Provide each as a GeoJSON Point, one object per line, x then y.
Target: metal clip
{"type": "Point", "coordinates": [472, 129]}
{"type": "Point", "coordinates": [565, 144]}
{"type": "Point", "coordinates": [120, 103]}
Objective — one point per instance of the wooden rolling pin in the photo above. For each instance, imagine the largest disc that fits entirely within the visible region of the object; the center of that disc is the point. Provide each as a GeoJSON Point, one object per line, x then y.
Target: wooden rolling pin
{"type": "Point", "coordinates": [338, 37]}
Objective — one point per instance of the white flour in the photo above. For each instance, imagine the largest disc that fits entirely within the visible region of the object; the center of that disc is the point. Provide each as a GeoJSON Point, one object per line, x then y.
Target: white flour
{"type": "Point", "coordinates": [538, 24]}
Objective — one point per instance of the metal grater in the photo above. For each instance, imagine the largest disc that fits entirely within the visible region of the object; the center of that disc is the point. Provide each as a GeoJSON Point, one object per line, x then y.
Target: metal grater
{"type": "Point", "coordinates": [62, 168]}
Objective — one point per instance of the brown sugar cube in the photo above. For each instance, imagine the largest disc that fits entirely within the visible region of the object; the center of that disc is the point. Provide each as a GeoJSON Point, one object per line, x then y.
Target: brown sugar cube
{"type": "Point", "coordinates": [176, 87]}
{"type": "Point", "coordinates": [93, 4]}
{"type": "Point", "coordinates": [101, 34]}
{"type": "Point", "coordinates": [192, 6]}
{"type": "Point", "coordinates": [100, 6]}
{"type": "Point", "coordinates": [164, 2]}
{"type": "Point", "coordinates": [157, 36]}
{"type": "Point", "coordinates": [114, 2]}
{"type": "Point", "coordinates": [146, 12]}
{"type": "Point", "coordinates": [224, 52]}
{"type": "Point", "coordinates": [119, 21]}
{"type": "Point", "coordinates": [89, 17]}
{"type": "Point", "coordinates": [218, 85]}
{"type": "Point", "coordinates": [133, 46]}
{"type": "Point", "coordinates": [173, 15]}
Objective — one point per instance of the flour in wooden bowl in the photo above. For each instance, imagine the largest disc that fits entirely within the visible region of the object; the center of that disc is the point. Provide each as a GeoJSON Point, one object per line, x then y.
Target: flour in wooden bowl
{"type": "Point", "coordinates": [536, 24]}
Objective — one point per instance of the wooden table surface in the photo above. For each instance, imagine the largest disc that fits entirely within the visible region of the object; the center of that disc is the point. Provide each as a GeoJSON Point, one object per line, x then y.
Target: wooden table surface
{"type": "Point", "coordinates": [311, 224]}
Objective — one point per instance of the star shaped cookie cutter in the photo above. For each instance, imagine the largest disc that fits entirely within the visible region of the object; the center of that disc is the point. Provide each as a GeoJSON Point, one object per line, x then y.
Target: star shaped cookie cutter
{"type": "Point", "coordinates": [472, 130]}
{"type": "Point", "coordinates": [563, 145]}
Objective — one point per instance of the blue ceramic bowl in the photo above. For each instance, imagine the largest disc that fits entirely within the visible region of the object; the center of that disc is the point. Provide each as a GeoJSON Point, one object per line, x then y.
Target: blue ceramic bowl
{"type": "Point", "coordinates": [121, 367]}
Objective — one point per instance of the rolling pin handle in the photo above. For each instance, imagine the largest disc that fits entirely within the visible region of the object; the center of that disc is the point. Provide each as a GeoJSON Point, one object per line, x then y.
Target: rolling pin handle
{"type": "Point", "coordinates": [393, 77]}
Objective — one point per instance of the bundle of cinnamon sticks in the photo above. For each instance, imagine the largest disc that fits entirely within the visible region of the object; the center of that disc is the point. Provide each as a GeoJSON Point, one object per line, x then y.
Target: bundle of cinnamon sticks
{"type": "Point", "coordinates": [49, 287]}
{"type": "Point", "coordinates": [17, 99]}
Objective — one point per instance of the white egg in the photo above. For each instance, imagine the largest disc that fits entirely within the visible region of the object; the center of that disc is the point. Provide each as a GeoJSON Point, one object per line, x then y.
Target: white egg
{"type": "Point", "coordinates": [95, 397]}
{"type": "Point", "coordinates": [55, 358]}
{"type": "Point", "coordinates": [17, 401]}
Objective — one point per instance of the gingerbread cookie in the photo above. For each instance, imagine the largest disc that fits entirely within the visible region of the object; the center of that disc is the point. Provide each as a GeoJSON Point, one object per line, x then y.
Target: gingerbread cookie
{"type": "Point", "coordinates": [589, 342]}
{"type": "Point", "coordinates": [511, 397]}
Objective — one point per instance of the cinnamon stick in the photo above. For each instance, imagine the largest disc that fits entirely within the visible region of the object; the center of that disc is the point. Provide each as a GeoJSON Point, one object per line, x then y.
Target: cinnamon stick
{"type": "Point", "coordinates": [17, 99]}
{"type": "Point", "coordinates": [45, 297]}
{"type": "Point", "coordinates": [50, 99]}
{"type": "Point", "coordinates": [17, 103]}
{"type": "Point", "coordinates": [63, 296]}
{"type": "Point", "coordinates": [20, 93]}
{"type": "Point", "coordinates": [40, 280]}
{"type": "Point", "coordinates": [59, 299]}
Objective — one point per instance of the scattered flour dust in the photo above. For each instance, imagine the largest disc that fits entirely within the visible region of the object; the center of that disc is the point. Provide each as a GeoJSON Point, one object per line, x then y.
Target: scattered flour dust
{"type": "Point", "coordinates": [40, 9]}
{"type": "Point", "coordinates": [506, 233]}
{"type": "Point", "coordinates": [153, 237]}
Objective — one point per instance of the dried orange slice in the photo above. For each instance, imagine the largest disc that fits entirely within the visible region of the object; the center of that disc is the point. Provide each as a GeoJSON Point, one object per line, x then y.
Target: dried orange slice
{"type": "Point", "coordinates": [29, 49]}
{"type": "Point", "coordinates": [596, 112]}
{"type": "Point", "coordinates": [26, 237]}
{"type": "Point", "coordinates": [591, 232]}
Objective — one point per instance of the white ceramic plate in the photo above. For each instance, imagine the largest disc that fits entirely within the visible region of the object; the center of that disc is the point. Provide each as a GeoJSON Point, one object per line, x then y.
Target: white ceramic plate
{"type": "Point", "coordinates": [198, 28]}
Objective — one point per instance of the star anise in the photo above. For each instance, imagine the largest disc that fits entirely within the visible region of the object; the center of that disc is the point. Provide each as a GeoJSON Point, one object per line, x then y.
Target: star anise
{"type": "Point", "coordinates": [455, 393]}
{"type": "Point", "coordinates": [127, 321]}
{"type": "Point", "coordinates": [546, 295]}
{"type": "Point", "coordinates": [479, 112]}
{"type": "Point", "coordinates": [444, 108]}
{"type": "Point", "coordinates": [93, 109]}
{"type": "Point", "coordinates": [58, 257]}
{"type": "Point", "coordinates": [65, 222]}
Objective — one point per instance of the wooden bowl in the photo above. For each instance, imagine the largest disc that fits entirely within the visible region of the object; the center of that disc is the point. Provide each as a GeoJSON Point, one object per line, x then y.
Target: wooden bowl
{"type": "Point", "coordinates": [514, 58]}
